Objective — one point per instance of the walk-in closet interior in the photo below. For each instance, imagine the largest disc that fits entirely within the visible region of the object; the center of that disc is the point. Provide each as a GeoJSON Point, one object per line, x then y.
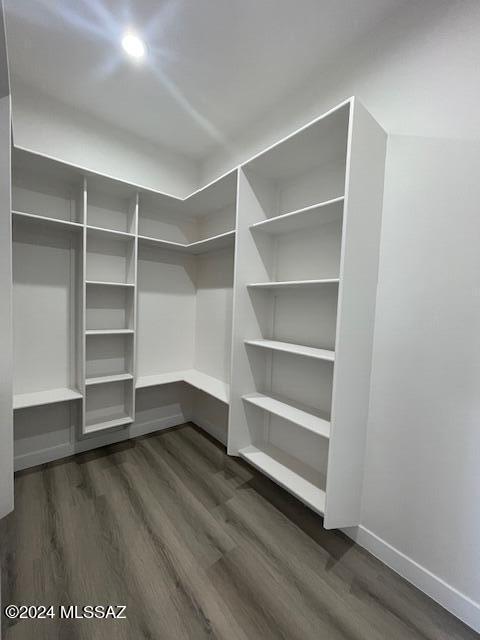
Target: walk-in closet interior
{"type": "Point", "coordinates": [246, 307]}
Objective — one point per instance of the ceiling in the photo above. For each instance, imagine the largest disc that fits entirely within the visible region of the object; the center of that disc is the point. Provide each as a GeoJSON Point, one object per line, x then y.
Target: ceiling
{"type": "Point", "coordinates": [213, 66]}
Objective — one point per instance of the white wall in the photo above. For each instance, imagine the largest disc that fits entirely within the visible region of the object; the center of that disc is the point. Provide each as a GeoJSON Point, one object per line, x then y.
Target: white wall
{"type": "Point", "coordinates": [417, 73]}
{"type": "Point", "coordinates": [47, 126]}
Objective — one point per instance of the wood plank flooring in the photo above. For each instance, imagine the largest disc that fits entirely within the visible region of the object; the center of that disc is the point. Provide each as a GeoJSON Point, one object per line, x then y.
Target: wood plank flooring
{"type": "Point", "coordinates": [196, 545]}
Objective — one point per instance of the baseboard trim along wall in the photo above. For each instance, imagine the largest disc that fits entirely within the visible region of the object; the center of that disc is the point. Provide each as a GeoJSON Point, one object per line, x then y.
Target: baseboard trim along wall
{"type": "Point", "coordinates": [447, 596]}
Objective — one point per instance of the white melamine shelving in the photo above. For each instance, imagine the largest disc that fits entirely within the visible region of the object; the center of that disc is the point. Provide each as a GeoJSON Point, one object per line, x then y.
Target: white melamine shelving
{"type": "Point", "coordinates": [101, 283]}
{"type": "Point", "coordinates": [200, 246]}
{"type": "Point", "coordinates": [53, 222]}
{"type": "Point", "coordinates": [292, 284]}
{"type": "Point", "coordinates": [202, 381]}
{"type": "Point", "coordinates": [117, 377]}
{"type": "Point", "coordinates": [38, 398]}
{"type": "Point", "coordinates": [301, 416]}
{"type": "Point", "coordinates": [304, 218]}
{"type": "Point", "coordinates": [289, 473]}
{"type": "Point", "coordinates": [115, 282]}
{"type": "Point", "coordinates": [295, 349]}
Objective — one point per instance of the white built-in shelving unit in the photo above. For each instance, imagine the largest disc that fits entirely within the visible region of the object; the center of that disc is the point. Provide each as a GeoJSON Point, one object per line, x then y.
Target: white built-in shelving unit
{"type": "Point", "coordinates": [255, 295]}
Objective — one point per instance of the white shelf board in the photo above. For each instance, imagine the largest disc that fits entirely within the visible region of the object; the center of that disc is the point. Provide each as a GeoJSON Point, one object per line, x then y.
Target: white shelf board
{"type": "Point", "coordinates": [107, 332]}
{"type": "Point", "coordinates": [293, 412]}
{"type": "Point", "coordinates": [108, 424]}
{"type": "Point", "coordinates": [292, 284]}
{"type": "Point", "coordinates": [288, 472]}
{"type": "Point", "coordinates": [202, 381]}
{"type": "Point", "coordinates": [104, 283]}
{"type": "Point", "coordinates": [201, 246]}
{"type": "Point", "coordinates": [296, 349]}
{"type": "Point", "coordinates": [301, 218]}
{"type": "Point", "coordinates": [110, 233]}
{"type": "Point", "coordinates": [213, 386]}
{"type": "Point", "coordinates": [54, 222]}
{"type": "Point", "coordinates": [118, 377]}
{"type": "Point", "coordinates": [51, 396]}
{"type": "Point", "coordinates": [158, 379]}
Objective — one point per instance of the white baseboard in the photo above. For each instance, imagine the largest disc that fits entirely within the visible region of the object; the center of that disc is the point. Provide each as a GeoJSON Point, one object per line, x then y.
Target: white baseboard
{"type": "Point", "coordinates": [447, 596]}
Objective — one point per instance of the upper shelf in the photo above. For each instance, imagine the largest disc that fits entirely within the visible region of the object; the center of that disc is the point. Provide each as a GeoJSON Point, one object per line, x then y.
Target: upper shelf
{"type": "Point", "coordinates": [38, 398]}
{"type": "Point", "coordinates": [301, 218]}
{"type": "Point", "coordinates": [293, 284]}
{"type": "Point", "coordinates": [295, 349]}
{"type": "Point", "coordinates": [201, 246]}
{"type": "Point", "coordinates": [53, 222]}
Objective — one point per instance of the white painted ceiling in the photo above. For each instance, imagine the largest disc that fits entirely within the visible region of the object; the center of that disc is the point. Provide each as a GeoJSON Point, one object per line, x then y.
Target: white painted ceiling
{"type": "Point", "coordinates": [213, 66]}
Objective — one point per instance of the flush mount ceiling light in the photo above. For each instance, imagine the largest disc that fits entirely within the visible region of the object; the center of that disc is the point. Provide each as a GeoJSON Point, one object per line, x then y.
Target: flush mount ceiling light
{"type": "Point", "coordinates": [133, 45]}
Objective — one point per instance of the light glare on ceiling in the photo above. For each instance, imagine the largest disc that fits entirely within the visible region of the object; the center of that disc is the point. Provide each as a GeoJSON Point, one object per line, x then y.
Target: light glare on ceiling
{"type": "Point", "coordinates": [133, 45]}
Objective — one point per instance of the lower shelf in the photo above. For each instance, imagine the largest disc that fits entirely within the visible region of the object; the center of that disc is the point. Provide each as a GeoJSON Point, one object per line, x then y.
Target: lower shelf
{"type": "Point", "coordinates": [38, 398]}
{"type": "Point", "coordinates": [202, 381]}
{"type": "Point", "coordinates": [117, 377]}
{"type": "Point", "coordinates": [291, 474]}
{"type": "Point", "coordinates": [108, 424]}
{"type": "Point", "coordinates": [293, 412]}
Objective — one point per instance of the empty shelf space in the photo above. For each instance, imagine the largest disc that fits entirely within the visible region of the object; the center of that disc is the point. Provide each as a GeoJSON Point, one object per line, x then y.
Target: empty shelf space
{"type": "Point", "coordinates": [202, 381]}
{"type": "Point", "coordinates": [293, 412]}
{"type": "Point", "coordinates": [110, 232]}
{"type": "Point", "coordinates": [103, 283]}
{"type": "Point", "coordinates": [293, 284]}
{"type": "Point", "coordinates": [108, 424]}
{"type": "Point", "coordinates": [201, 246]}
{"type": "Point", "coordinates": [288, 472]}
{"type": "Point", "coordinates": [112, 378]}
{"type": "Point", "coordinates": [54, 222]}
{"type": "Point", "coordinates": [38, 398]}
{"type": "Point", "coordinates": [296, 349]}
{"type": "Point", "coordinates": [107, 332]}
{"type": "Point", "coordinates": [301, 218]}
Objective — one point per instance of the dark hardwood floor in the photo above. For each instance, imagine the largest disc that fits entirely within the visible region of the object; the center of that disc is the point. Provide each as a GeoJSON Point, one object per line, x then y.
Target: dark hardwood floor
{"type": "Point", "coordinates": [196, 545]}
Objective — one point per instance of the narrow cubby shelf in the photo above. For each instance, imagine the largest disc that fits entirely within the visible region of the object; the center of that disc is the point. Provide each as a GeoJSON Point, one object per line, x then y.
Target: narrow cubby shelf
{"type": "Point", "coordinates": [108, 332]}
{"type": "Point", "coordinates": [103, 283]}
{"type": "Point", "coordinates": [295, 349]}
{"type": "Point", "coordinates": [300, 218]}
{"type": "Point", "coordinates": [202, 381]}
{"type": "Point", "coordinates": [288, 472]}
{"type": "Point", "coordinates": [119, 421]}
{"type": "Point", "coordinates": [39, 398]}
{"type": "Point", "coordinates": [200, 246]}
{"type": "Point", "coordinates": [53, 222]}
{"type": "Point", "coordinates": [117, 377]}
{"type": "Point", "coordinates": [293, 412]}
{"type": "Point", "coordinates": [109, 233]}
{"type": "Point", "coordinates": [293, 284]}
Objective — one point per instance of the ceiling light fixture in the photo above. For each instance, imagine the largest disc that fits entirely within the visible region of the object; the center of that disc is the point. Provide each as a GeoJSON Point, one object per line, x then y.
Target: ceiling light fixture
{"type": "Point", "coordinates": [133, 45]}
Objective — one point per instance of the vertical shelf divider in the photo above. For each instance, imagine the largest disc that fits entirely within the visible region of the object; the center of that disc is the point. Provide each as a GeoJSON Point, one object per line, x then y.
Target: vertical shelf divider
{"type": "Point", "coordinates": [135, 205]}
{"type": "Point", "coordinates": [83, 306]}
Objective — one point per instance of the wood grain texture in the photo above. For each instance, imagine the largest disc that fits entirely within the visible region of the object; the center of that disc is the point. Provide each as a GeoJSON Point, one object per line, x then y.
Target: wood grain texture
{"type": "Point", "coordinates": [197, 545]}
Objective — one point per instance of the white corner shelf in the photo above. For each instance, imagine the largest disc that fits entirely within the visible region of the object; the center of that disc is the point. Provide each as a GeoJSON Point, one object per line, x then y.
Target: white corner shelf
{"type": "Point", "coordinates": [39, 398]}
{"type": "Point", "coordinates": [293, 284]}
{"type": "Point", "coordinates": [201, 246]}
{"type": "Point", "coordinates": [300, 218]}
{"type": "Point", "coordinates": [288, 472]}
{"type": "Point", "coordinates": [111, 233]}
{"type": "Point", "coordinates": [120, 421]}
{"type": "Point", "coordinates": [295, 349]}
{"type": "Point", "coordinates": [107, 332]}
{"type": "Point", "coordinates": [202, 381]}
{"type": "Point", "coordinates": [118, 377]}
{"type": "Point", "coordinates": [104, 283]}
{"type": "Point", "coordinates": [52, 222]}
{"type": "Point", "coordinates": [293, 412]}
